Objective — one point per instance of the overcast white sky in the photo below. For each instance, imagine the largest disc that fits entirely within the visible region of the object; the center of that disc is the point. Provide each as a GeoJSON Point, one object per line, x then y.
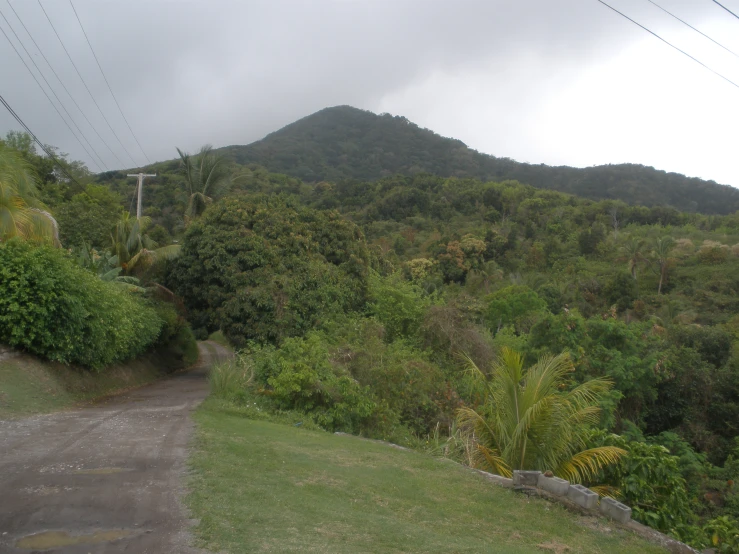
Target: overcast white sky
{"type": "Point", "coordinates": [564, 82]}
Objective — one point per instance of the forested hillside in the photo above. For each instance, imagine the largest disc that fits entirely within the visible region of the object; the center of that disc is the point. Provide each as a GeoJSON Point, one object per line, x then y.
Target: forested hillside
{"type": "Point", "coordinates": [344, 143]}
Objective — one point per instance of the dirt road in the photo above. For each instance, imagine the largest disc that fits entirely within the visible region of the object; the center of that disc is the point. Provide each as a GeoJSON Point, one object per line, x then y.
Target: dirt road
{"type": "Point", "coordinates": [104, 479]}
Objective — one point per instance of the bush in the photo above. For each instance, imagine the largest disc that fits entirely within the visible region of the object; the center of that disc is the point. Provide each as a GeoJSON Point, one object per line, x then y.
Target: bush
{"type": "Point", "coordinates": [176, 337]}
{"type": "Point", "coordinates": [52, 308]}
{"type": "Point", "coordinates": [513, 305]}
{"type": "Point", "coordinates": [300, 376]}
{"type": "Point", "coordinates": [648, 480]}
{"type": "Point", "coordinates": [399, 305]}
{"type": "Point", "coordinates": [264, 269]}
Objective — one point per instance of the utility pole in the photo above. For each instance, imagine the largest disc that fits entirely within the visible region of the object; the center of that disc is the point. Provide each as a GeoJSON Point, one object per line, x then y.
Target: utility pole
{"type": "Point", "coordinates": [140, 190]}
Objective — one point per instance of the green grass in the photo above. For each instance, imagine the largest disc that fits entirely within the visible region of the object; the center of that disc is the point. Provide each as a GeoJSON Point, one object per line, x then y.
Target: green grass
{"type": "Point", "coordinates": [29, 385]}
{"type": "Point", "coordinates": [260, 486]}
{"type": "Point", "coordinates": [220, 338]}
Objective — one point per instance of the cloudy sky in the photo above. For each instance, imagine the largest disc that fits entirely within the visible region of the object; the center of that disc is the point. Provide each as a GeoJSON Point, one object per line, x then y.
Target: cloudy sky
{"type": "Point", "coordinates": [564, 82]}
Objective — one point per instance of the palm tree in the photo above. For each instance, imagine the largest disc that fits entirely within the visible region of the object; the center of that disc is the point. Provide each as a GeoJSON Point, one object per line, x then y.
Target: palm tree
{"type": "Point", "coordinates": [207, 176]}
{"type": "Point", "coordinates": [525, 420]}
{"type": "Point", "coordinates": [134, 249]}
{"type": "Point", "coordinates": [485, 275]}
{"type": "Point", "coordinates": [661, 253]}
{"type": "Point", "coordinates": [21, 214]}
{"type": "Point", "coordinates": [105, 267]}
{"type": "Point", "coordinates": [633, 251]}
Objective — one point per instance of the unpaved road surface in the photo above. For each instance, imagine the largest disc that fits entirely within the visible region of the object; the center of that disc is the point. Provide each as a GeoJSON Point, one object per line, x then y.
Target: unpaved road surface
{"type": "Point", "coordinates": [104, 479]}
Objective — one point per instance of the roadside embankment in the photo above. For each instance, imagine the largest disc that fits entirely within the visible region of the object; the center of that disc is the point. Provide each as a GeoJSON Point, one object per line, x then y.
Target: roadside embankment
{"type": "Point", "coordinates": [30, 385]}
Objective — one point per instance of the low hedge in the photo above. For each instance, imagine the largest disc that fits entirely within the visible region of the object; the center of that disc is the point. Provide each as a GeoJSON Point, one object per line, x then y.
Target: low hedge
{"type": "Point", "coordinates": [52, 308]}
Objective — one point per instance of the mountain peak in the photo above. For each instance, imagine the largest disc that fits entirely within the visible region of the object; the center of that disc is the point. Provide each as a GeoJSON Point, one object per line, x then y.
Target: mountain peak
{"type": "Point", "coordinates": [343, 142]}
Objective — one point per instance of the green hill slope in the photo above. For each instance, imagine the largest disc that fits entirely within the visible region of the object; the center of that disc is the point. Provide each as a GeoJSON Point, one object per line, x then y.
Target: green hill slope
{"type": "Point", "coordinates": [342, 143]}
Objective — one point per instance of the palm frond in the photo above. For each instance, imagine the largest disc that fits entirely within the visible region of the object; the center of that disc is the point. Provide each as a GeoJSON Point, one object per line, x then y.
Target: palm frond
{"type": "Point", "coordinates": [526, 421]}
{"type": "Point", "coordinates": [585, 465]}
{"type": "Point", "coordinates": [112, 274]}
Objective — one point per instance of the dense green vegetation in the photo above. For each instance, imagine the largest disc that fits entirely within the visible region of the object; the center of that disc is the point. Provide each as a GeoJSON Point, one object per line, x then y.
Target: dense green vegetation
{"type": "Point", "coordinates": [51, 307]}
{"type": "Point", "coordinates": [263, 270]}
{"type": "Point", "coordinates": [642, 297]}
{"type": "Point", "coordinates": [88, 308]}
{"type": "Point", "coordinates": [260, 486]}
{"type": "Point", "coordinates": [21, 212]}
{"type": "Point", "coordinates": [346, 144]}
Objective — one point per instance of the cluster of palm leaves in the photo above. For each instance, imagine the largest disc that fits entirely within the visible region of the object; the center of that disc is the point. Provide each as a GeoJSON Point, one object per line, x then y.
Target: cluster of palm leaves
{"type": "Point", "coordinates": [105, 266]}
{"type": "Point", "coordinates": [21, 213]}
{"type": "Point", "coordinates": [635, 253]}
{"type": "Point", "coordinates": [207, 176]}
{"type": "Point", "coordinates": [526, 419]}
{"type": "Point", "coordinates": [133, 249]}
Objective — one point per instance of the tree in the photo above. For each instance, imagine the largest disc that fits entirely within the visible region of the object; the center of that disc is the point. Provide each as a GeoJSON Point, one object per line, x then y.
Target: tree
{"type": "Point", "coordinates": [511, 305]}
{"type": "Point", "coordinates": [633, 253]}
{"type": "Point", "coordinates": [134, 249]}
{"type": "Point", "coordinates": [661, 253]}
{"type": "Point", "coordinates": [265, 269]}
{"type": "Point", "coordinates": [525, 420]}
{"type": "Point", "coordinates": [86, 218]}
{"type": "Point", "coordinates": [21, 213]}
{"type": "Point", "coordinates": [207, 177]}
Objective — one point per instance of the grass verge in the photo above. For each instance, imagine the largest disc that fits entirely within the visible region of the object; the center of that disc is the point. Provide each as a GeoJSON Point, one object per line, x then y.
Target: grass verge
{"type": "Point", "coordinates": [29, 385]}
{"type": "Point", "coordinates": [261, 486]}
{"type": "Point", "coordinates": [220, 338]}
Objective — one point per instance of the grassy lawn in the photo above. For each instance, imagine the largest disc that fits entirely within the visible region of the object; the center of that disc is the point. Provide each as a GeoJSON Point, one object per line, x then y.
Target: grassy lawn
{"type": "Point", "coordinates": [260, 486]}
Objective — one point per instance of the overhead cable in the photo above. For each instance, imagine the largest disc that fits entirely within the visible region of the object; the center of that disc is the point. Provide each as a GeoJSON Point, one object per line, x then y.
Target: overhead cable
{"type": "Point", "coordinates": [64, 86]}
{"type": "Point", "coordinates": [107, 83]}
{"type": "Point", "coordinates": [696, 30]}
{"type": "Point", "coordinates": [41, 145]}
{"type": "Point", "coordinates": [92, 158]}
{"type": "Point", "coordinates": [727, 9]}
{"type": "Point", "coordinates": [85, 84]}
{"type": "Point", "coordinates": [669, 44]}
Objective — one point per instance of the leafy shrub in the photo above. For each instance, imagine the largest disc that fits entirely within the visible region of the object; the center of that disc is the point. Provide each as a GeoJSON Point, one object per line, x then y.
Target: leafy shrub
{"type": "Point", "coordinates": [299, 375]}
{"type": "Point", "coordinates": [621, 291]}
{"type": "Point", "coordinates": [398, 374]}
{"type": "Point", "coordinates": [512, 305]}
{"type": "Point", "coordinates": [649, 481]}
{"type": "Point", "coordinates": [448, 333]}
{"type": "Point", "coordinates": [399, 305]}
{"type": "Point", "coordinates": [176, 337]}
{"type": "Point", "coordinates": [51, 307]}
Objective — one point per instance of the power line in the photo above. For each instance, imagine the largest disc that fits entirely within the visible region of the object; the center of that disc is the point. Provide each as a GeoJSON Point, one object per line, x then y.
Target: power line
{"type": "Point", "coordinates": [64, 86]}
{"type": "Point", "coordinates": [669, 44]}
{"type": "Point", "coordinates": [107, 83]}
{"type": "Point", "coordinates": [35, 138]}
{"type": "Point", "coordinates": [85, 83]}
{"type": "Point", "coordinates": [696, 30]}
{"type": "Point", "coordinates": [92, 158]}
{"type": "Point", "coordinates": [52, 90]}
{"type": "Point", "coordinates": [727, 9]}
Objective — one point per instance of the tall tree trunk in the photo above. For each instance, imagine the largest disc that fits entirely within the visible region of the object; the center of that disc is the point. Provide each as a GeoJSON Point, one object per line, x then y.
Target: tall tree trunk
{"type": "Point", "coordinates": [661, 278]}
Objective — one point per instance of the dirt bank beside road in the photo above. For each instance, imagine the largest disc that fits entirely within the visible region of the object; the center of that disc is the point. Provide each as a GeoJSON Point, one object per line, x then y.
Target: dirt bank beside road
{"type": "Point", "coordinates": [103, 479]}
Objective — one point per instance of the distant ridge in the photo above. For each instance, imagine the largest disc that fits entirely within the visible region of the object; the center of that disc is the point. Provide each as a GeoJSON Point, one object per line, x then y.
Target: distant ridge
{"type": "Point", "coordinates": [343, 142]}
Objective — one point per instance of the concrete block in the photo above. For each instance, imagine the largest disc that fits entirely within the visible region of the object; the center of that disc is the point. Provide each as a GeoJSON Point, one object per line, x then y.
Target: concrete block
{"type": "Point", "coordinates": [497, 479]}
{"type": "Point", "coordinates": [583, 496]}
{"type": "Point", "coordinates": [555, 485]}
{"type": "Point", "coordinates": [615, 510]}
{"type": "Point", "coordinates": [525, 478]}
